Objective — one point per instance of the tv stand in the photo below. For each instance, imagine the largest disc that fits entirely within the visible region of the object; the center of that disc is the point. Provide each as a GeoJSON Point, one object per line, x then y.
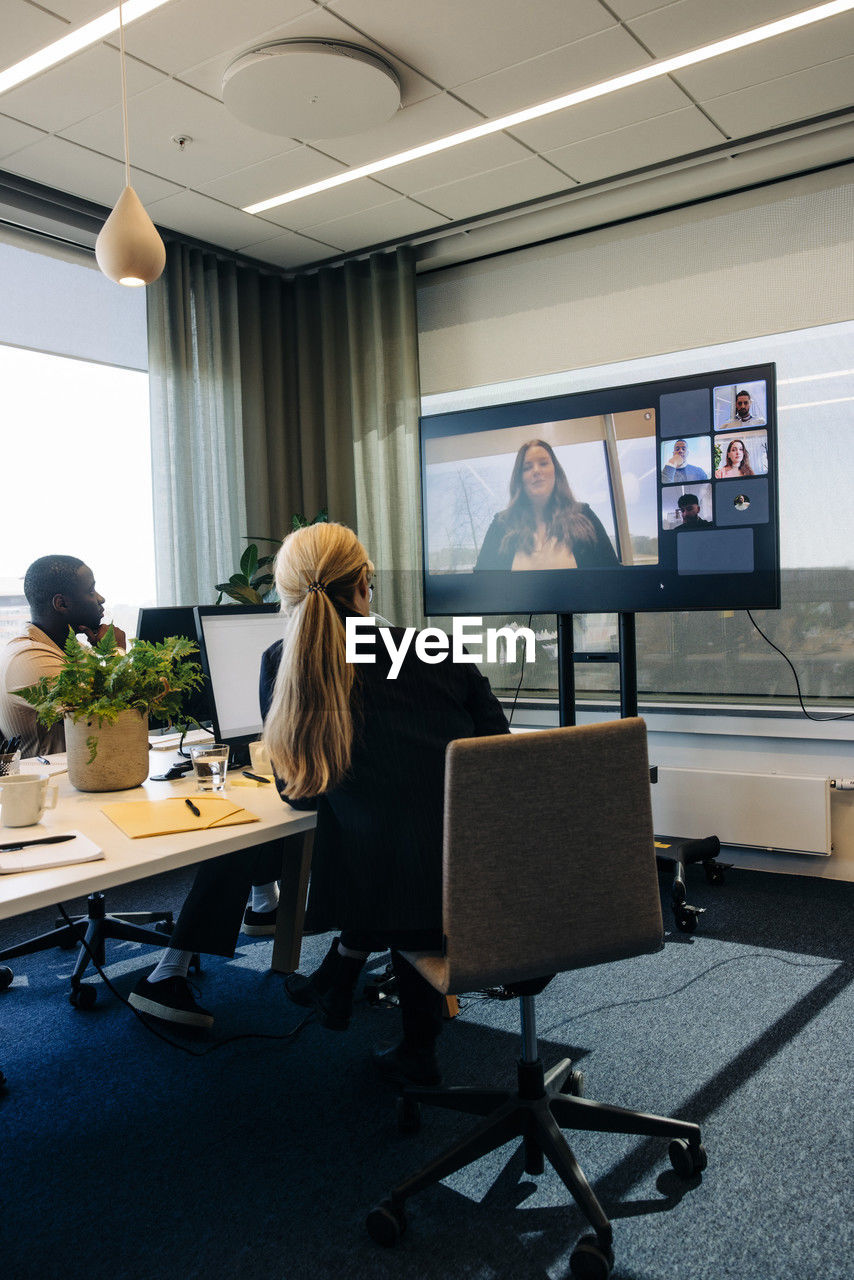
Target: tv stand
{"type": "Point", "coordinates": [674, 851]}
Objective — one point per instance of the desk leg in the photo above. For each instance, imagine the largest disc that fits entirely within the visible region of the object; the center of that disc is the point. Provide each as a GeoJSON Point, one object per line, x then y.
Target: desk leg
{"type": "Point", "coordinates": [296, 864]}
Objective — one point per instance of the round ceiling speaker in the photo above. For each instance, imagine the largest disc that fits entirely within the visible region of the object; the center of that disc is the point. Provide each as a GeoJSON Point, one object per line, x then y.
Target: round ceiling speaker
{"type": "Point", "coordinates": [311, 88]}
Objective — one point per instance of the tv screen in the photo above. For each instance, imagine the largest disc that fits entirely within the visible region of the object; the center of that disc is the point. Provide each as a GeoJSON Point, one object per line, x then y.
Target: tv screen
{"type": "Point", "coordinates": [653, 497]}
{"type": "Point", "coordinates": [232, 639]}
{"type": "Point", "coordinates": [156, 624]}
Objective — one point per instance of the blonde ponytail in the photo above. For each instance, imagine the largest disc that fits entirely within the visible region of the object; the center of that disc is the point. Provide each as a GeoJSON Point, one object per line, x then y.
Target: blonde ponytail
{"type": "Point", "coordinates": [309, 727]}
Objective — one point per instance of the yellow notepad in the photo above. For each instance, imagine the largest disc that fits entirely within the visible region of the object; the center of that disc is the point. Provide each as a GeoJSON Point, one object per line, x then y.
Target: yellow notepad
{"type": "Point", "coordinates": [168, 817]}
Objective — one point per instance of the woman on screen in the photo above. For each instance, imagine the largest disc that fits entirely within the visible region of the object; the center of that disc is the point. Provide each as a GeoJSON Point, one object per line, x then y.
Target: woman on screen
{"type": "Point", "coordinates": [736, 463]}
{"type": "Point", "coordinates": [543, 526]}
{"type": "Point", "coordinates": [371, 752]}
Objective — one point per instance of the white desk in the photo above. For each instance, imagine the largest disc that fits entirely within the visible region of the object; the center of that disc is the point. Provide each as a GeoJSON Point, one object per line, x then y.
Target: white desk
{"type": "Point", "coordinates": [127, 860]}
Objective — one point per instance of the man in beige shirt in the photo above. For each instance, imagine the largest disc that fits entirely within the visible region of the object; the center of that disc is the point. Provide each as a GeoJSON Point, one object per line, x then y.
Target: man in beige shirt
{"type": "Point", "coordinates": [61, 593]}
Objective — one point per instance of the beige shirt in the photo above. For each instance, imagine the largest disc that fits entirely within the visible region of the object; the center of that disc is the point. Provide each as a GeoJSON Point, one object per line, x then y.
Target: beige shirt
{"type": "Point", "coordinates": [23, 662]}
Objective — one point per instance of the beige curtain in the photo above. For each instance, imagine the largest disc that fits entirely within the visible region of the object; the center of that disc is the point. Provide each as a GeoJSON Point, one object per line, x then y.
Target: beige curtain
{"type": "Point", "coordinates": [299, 394]}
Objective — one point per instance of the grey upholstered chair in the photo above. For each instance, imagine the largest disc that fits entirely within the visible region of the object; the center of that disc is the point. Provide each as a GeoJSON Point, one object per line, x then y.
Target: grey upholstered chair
{"type": "Point", "coordinates": [549, 865]}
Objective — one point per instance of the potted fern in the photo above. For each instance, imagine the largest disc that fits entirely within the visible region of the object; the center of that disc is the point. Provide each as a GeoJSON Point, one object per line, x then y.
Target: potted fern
{"type": "Point", "coordinates": [105, 697]}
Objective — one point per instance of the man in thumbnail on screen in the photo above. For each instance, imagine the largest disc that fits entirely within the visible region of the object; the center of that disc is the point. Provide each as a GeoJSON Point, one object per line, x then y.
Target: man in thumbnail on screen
{"type": "Point", "coordinates": [744, 412]}
{"type": "Point", "coordinates": [689, 513]}
{"type": "Point", "coordinates": [543, 526]}
{"type": "Point", "coordinates": [677, 469]}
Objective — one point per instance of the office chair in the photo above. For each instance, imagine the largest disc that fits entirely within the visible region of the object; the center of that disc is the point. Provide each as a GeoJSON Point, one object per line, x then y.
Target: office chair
{"type": "Point", "coordinates": [96, 927]}
{"type": "Point", "coordinates": [680, 852]}
{"type": "Point", "coordinates": [549, 866]}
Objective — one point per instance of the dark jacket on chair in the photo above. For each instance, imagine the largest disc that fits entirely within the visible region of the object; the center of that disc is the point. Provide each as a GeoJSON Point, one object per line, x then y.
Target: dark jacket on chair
{"type": "Point", "coordinates": [377, 861]}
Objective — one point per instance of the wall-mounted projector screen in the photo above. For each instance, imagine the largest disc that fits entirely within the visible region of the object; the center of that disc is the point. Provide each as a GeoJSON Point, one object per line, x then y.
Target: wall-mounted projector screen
{"type": "Point", "coordinates": [653, 497]}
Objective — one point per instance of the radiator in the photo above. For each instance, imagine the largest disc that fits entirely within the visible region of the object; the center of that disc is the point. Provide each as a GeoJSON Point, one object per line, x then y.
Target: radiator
{"type": "Point", "coordinates": [760, 810]}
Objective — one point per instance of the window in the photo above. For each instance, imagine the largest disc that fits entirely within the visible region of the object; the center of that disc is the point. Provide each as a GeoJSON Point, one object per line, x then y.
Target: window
{"type": "Point", "coordinates": [721, 656]}
{"type": "Point", "coordinates": [75, 432]}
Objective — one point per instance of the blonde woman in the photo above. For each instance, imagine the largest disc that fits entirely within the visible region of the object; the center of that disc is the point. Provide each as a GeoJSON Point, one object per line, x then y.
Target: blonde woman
{"type": "Point", "coordinates": [371, 751]}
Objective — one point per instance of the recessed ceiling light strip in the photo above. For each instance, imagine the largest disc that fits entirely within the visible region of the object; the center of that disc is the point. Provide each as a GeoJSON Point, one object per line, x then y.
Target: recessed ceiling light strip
{"type": "Point", "coordinates": [653, 71]}
{"type": "Point", "coordinates": [80, 38]}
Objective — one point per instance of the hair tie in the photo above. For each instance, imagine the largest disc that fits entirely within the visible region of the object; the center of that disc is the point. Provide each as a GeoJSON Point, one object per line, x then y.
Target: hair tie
{"type": "Point", "coordinates": [316, 586]}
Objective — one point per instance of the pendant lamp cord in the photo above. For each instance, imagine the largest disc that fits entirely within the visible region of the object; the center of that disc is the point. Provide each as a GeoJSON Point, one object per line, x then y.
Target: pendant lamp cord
{"type": "Point", "coordinates": [124, 94]}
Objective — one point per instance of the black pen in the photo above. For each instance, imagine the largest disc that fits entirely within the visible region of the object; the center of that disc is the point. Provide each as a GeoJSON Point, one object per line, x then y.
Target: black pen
{"type": "Point", "coordinates": [42, 759]}
{"type": "Point", "coordinates": [255, 777]}
{"type": "Point", "coordinates": [188, 802]}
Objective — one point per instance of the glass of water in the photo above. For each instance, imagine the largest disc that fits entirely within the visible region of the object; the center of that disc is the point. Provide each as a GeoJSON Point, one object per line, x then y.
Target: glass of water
{"type": "Point", "coordinates": [210, 763]}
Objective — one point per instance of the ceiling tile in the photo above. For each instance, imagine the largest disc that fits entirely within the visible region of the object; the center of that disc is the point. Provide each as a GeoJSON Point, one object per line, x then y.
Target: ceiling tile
{"type": "Point", "coordinates": [25, 30]}
{"type": "Point", "coordinates": [632, 8]}
{"type": "Point", "coordinates": [289, 250]}
{"type": "Point", "coordinates": [574, 66]}
{"type": "Point", "coordinates": [219, 144]}
{"type": "Point", "coordinates": [782, 56]}
{"type": "Point", "coordinates": [615, 110]}
{"type": "Point", "coordinates": [454, 42]}
{"type": "Point", "coordinates": [83, 86]}
{"type": "Point", "coordinates": [400, 218]}
{"type": "Point", "coordinates": [412, 126]}
{"type": "Point", "coordinates": [14, 135]}
{"type": "Point", "coordinates": [79, 11]}
{"type": "Point", "coordinates": [499, 189]}
{"type": "Point", "coordinates": [688, 24]}
{"type": "Point", "coordinates": [765, 106]}
{"type": "Point", "coordinates": [628, 149]}
{"type": "Point", "coordinates": [296, 167]}
{"type": "Point", "coordinates": [492, 152]}
{"type": "Point", "coordinates": [205, 219]}
{"type": "Point", "coordinates": [319, 24]}
{"type": "Point", "coordinates": [186, 32]}
{"type": "Point", "coordinates": [67, 167]}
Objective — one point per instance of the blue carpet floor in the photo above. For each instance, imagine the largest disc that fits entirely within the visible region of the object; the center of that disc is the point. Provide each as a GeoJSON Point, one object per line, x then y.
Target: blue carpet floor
{"type": "Point", "coordinates": [125, 1158]}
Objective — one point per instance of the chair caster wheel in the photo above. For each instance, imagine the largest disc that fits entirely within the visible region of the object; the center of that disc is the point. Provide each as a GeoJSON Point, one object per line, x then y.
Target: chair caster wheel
{"type": "Point", "coordinates": [195, 963]}
{"type": "Point", "coordinates": [686, 1160]}
{"type": "Point", "coordinates": [407, 1114]}
{"type": "Point", "coordinates": [163, 926]}
{"type": "Point", "coordinates": [573, 1085]}
{"type": "Point", "coordinates": [590, 1260]}
{"type": "Point", "coordinates": [84, 996]}
{"type": "Point", "coordinates": [386, 1223]}
{"type": "Point", "coordinates": [714, 872]}
{"type": "Point", "coordinates": [69, 941]}
{"type": "Point", "coordinates": [6, 976]}
{"type": "Point", "coordinates": [686, 918]}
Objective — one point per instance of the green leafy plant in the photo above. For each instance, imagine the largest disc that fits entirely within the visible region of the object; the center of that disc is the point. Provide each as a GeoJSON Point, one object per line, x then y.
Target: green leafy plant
{"type": "Point", "coordinates": [99, 682]}
{"type": "Point", "coordinates": [253, 582]}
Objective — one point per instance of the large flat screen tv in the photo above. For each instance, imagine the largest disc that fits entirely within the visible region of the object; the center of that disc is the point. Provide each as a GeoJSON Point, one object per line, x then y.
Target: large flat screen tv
{"type": "Point", "coordinates": [653, 497]}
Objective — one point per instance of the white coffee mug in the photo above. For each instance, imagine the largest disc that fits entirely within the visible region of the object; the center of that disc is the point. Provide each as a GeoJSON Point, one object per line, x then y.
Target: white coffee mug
{"type": "Point", "coordinates": [24, 798]}
{"type": "Point", "coordinates": [260, 758]}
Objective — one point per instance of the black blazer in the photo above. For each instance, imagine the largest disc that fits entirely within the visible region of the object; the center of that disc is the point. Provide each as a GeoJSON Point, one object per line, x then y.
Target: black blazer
{"type": "Point", "coordinates": [377, 861]}
{"type": "Point", "coordinates": [597, 554]}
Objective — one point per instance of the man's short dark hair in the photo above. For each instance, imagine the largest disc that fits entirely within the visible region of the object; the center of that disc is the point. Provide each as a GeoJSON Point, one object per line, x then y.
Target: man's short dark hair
{"type": "Point", "coordinates": [50, 576]}
{"type": "Point", "coordinates": [742, 393]}
{"type": "Point", "coordinates": [687, 500]}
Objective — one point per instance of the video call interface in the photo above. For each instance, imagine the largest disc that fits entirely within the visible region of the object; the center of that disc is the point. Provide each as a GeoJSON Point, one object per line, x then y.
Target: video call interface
{"type": "Point", "coordinates": [654, 497]}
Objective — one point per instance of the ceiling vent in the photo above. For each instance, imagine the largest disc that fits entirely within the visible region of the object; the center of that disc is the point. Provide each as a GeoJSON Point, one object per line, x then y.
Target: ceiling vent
{"type": "Point", "coordinates": [311, 88]}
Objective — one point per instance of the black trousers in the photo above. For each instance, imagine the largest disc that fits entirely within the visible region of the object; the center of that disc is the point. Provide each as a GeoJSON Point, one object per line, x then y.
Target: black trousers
{"type": "Point", "coordinates": [212, 913]}
{"type": "Point", "coordinates": [421, 1005]}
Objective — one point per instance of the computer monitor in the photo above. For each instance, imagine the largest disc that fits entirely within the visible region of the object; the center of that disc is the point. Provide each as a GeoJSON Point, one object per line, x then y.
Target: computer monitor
{"type": "Point", "coordinates": [645, 498]}
{"type": "Point", "coordinates": [232, 639]}
{"type": "Point", "coordinates": [155, 624]}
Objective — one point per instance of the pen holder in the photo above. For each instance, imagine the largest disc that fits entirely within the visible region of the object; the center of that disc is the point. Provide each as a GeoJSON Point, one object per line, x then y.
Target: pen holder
{"type": "Point", "coordinates": [10, 762]}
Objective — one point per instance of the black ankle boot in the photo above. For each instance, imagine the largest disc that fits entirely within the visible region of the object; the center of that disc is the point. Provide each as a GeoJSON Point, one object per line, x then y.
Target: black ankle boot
{"type": "Point", "coordinates": [329, 990]}
{"type": "Point", "coordinates": [306, 990]}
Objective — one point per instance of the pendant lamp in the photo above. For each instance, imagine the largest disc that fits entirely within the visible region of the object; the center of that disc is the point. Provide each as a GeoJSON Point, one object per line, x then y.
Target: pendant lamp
{"type": "Point", "coordinates": [128, 249]}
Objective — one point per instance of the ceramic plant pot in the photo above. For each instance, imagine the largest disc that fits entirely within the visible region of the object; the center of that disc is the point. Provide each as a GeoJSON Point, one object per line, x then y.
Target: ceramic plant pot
{"type": "Point", "coordinates": [120, 754]}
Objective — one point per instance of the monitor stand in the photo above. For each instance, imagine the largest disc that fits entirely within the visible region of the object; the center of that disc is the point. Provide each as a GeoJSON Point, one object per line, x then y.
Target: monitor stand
{"type": "Point", "coordinates": [681, 851]}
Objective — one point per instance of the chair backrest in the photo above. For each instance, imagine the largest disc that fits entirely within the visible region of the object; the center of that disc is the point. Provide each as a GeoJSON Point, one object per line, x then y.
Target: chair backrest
{"type": "Point", "coordinates": [549, 856]}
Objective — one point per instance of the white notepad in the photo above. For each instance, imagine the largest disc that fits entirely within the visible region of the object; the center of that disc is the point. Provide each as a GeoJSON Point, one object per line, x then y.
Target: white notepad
{"type": "Point", "coordinates": [40, 857]}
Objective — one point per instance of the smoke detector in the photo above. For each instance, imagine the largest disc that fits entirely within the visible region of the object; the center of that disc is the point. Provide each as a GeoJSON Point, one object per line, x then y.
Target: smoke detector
{"type": "Point", "coordinates": [311, 88]}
